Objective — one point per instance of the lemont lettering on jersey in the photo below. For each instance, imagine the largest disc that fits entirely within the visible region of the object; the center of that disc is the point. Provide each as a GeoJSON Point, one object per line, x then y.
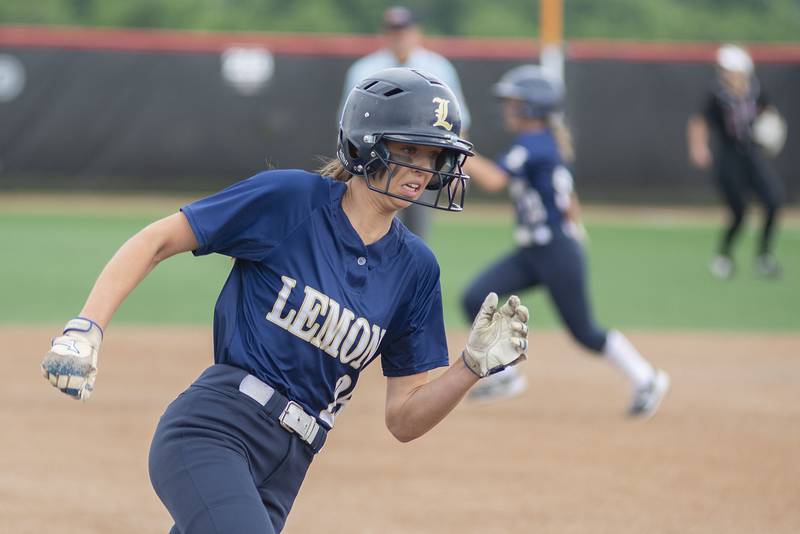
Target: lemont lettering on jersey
{"type": "Point", "coordinates": [341, 335]}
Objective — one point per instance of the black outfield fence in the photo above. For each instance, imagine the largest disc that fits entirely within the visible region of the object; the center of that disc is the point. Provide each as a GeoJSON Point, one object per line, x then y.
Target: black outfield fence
{"type": "Point", "coordinates": [152, 110]}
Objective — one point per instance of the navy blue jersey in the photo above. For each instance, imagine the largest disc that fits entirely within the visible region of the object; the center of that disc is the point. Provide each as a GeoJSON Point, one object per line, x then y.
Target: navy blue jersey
{"type": "Point", "coordinates": [307, 305]}
{"type": "Point", "coordinates": [541, 187]}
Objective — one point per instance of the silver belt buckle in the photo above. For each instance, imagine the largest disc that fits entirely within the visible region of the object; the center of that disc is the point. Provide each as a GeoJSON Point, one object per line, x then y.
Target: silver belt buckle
{"type": "Point", "coordinates": [294, 419]}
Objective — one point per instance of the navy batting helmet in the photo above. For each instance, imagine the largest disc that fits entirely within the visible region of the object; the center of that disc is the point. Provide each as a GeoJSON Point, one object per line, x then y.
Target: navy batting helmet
{"type": "Point", "coordinates": [540, 94]}
{"type": "Point", "coordinates": [407, 106]}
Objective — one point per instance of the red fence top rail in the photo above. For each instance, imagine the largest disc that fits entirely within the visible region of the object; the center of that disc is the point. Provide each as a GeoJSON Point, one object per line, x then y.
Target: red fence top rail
{"type": "Point", "coordinates": [335, 45]}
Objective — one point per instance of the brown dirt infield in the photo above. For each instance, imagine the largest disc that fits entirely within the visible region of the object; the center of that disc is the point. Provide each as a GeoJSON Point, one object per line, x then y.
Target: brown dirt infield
{"type": "Point", "coordinates": [721, 456]}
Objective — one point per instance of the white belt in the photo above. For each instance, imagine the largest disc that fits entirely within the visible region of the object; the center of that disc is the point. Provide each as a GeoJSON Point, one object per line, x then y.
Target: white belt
{"type": "Point", "coordinates": [292, 416]}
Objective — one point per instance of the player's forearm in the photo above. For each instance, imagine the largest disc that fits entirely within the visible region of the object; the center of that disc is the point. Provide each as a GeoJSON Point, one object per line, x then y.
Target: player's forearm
{"type": "Point", "coordinates": [428, 404]}
{"type": "Point", "coordinates": [697, 133]}
{"type": "Point", "coordinates": [697, 137]}
{"type": "Point", "coordinates": [486, 173]}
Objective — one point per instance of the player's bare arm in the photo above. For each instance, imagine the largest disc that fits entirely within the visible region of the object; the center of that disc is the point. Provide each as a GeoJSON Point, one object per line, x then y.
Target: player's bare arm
{"type": "Point", "coordinates": [414, 405]}
{"type": "Point", "coordinates": [486, 173]}
{"type": "Point", "coordinates": [71, 363]}
{"type": "Point", "coordinates": [697, 136]}
{"type": "Point", "coordinates": [498, 339]}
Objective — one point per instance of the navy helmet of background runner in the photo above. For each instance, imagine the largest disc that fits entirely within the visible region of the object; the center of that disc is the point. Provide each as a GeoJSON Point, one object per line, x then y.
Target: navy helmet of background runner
{"type": "Point", "coordinates": [541, 95]}
{"type": "Point", "coordinates": [406, 106]}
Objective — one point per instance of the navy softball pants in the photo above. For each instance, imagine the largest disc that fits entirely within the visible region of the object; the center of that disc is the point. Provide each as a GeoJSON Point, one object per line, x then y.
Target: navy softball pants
{"type": "Point", "coordinates": [559, 267]}
{"type": "Point", "coordinates": [221, 464]}
{"type": "Point", "coordinates": [738, 173]}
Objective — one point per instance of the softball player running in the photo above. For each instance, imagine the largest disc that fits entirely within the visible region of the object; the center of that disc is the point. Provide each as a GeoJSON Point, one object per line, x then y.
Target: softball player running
{"type": "Point", "coordinates": [402, 36]}
{"type": "Point", "coordinates": [547, 234]}
{"type": "Point", "coordinates": [730, 111]}
{"type": "Point", "coordinates": [325, 279]}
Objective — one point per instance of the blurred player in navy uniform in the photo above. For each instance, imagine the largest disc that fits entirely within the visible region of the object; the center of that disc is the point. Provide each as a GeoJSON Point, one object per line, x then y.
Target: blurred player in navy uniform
{"type": "Point", "coordinates": [403, 48]}
{"type": "Point", "coordinates": [325, 280]}
{"type": "Point", "coordinates": [731, 111]}
{"type": "Point", "coordinates": [548, 233]}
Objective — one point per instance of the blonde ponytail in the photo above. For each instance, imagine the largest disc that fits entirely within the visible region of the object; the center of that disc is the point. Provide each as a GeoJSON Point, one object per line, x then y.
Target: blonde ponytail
{"type": "Point", "coordinates": [563, 137]}
{"type": "Point", "coordinates": [334, 169]}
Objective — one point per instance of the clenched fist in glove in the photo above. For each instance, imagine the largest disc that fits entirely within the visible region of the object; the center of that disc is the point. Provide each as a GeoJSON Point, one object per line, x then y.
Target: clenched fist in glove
{"type": "Point", "coordinates": [71, 364]}
{"type": "Point", "coordinates": [499, 337]}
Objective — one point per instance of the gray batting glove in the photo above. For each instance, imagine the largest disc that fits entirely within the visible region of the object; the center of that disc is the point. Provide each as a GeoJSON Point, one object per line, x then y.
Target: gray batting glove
{"type": "Point", "coordinates": [499, 337]}
{"type": "Point", "coordinates": [71, 364]}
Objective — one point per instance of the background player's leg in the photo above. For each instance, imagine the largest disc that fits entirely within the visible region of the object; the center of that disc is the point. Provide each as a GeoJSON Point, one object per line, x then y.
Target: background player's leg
{"type": "Point", "coordinates": [564, 275]}
{"type": "Point", "coordinates": [768, 188]}
{"type": "Point", "coordinates": [508, 275]}
{"type": "Point", "coordinates": [566, 280]}
{"type": "Point", "coordinates": [730, 180]}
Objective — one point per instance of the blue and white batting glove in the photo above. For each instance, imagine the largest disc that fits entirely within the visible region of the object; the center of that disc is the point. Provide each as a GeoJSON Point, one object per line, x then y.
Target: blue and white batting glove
{"type": "Point", "coordinates": [499, 337]}
{"type": "Point", "coordinates": [71, 364]}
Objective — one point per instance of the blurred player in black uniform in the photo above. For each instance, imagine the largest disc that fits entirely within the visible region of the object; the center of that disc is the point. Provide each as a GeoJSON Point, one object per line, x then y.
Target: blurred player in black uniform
{"type": "Point", "coordinates": [731, 109]}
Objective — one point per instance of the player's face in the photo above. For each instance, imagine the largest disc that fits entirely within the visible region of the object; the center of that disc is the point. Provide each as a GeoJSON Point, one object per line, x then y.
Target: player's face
{"type": "Point", "coordinates": [512, 111]}
{"type": "Point", "coordinates": [402, 41]}
{"type": "Point", "coordinates": [738, 83]}
{"type": "Point", "coordinates": [407, 182]}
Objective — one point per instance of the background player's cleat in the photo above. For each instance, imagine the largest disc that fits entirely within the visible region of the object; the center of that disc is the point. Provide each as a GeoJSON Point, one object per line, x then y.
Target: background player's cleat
{"type": "Point", "coordinates": [647, 399]}
{"type": "Point", "coordinates": [721, 267]}
{"type": "Point", "coordinates": [503, 385]}
{"type": "Point", "coordinates": [767, 266]}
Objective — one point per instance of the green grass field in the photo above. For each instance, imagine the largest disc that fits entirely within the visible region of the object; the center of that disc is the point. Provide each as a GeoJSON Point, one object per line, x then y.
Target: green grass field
{"type": "Point", "coordinates": [642, 274]}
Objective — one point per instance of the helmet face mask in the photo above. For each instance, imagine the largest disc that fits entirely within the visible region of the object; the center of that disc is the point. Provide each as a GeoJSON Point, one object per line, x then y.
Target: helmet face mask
{"type": "Point", "coordinates": [447, 177]}
{"type": "Point", "coordinates": [412, 108]}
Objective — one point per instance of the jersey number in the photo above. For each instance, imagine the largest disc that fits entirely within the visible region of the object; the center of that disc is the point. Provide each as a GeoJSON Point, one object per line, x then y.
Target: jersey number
{"type": "Point", "coordinates": [341, 396]}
